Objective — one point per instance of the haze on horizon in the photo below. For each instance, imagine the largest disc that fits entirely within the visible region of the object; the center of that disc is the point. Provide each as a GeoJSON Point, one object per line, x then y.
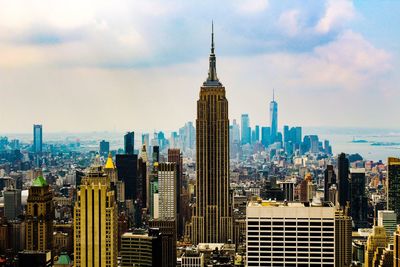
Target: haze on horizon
{"type": "Point", "coordinates": [81, 66]}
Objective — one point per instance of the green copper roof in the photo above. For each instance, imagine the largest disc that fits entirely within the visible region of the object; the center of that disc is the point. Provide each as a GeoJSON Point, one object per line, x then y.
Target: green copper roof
{"type": "Point", "coordinates": [39, 182]}
{"type": "Point", "coordinates": [64, 259]}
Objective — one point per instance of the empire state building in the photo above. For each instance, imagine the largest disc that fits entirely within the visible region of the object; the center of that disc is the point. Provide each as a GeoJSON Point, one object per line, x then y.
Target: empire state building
{"type": "Point", "coordinates": [212, 220]}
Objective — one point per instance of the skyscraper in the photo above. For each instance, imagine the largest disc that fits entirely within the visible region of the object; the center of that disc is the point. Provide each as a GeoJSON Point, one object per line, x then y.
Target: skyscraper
{"type": "Point", "coordinates": [39, 217]}
{"type": "Point", "coordinates": [12, 203]}
{"type": "Point", "coordinates": [359, 200]}
{"type": "Point", "coordinates": [273, 111]}
{"type": "Point", "coordinates": [95, 221]}
{"type": "Point", "coordinates": [343, 236]}
{"type": "Point", "coordinates": [174, 155]}
{"type": "Point", "coordinates": [127, 172]}
{"type": "Point", "coordinates": [343, 180]}
{"type": "Point", "coordinates": [329, 180]}
{"type": "Point", "coordinates": [212, 222]}
{"type": "Point", "coordinates": [129, 143]}
{"type": "Point", "coordinates": [104, 148]}
{"type": "Point", "coordinates": [266, 136]}
{"type": "Point", "coordinates": [37, 138]}
{"type": "Point", "coordinates": [246, 130]}
{"type": "Point", "coordinates": [393, 186]}
{"type": "Point", "coordinates": [167, 190]}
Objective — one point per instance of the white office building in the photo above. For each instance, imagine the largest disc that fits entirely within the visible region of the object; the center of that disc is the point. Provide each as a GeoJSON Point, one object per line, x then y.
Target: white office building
{"type": "Point", "coordinates": [388, 219]}
{"type": "Point", "coordinates": [167, 191]}
{"type": "Point", "coordinates": [290, 234]}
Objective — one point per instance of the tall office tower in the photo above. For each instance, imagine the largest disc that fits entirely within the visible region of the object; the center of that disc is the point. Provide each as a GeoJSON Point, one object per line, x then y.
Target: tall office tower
{"type": "Point", "coordinates": [37, 138]}
{"type": "Point", "coordinates": [273, 111]}
{"type": "Point", "coordinates": [388, 219]}
{"type": "Point", "coordinates": [167, 230]}
{"type": "Point", "coordinates": [127, 172]}
{"type": "Point", "coordinates": [343, 181]}
{"type": "Point", "coordinates": [246, 130]}
{"type": "Point", "coordinates": [290, 234]}
{"type": "Point", "coordinates": [212, 222]}
{"type": "Point", "coordinates": [146, 139]}
{"type": "Point", "coordinates": [141, 249]}
{"type": "Point", "coordinates": [129, 143]}
{"type": "Point", "coordinates": [153, 192]}
{"type": "Point", "coordinates": [156, 154]}
{"type": "Point", "coordinates": [265, 136]}
{"type": "Point", "coordinates": [167, 190]}
{"type": "Point", "coordinates": [393, 186]}
{"type": "Point", "coordinates": [141, 189]}
{"type": "Point", "coordinates": [12, 203]}
{"type": "Point", "coordinates": [358, 201]}
{"type": "Point", "coordinates": [329, 180]}
{"type": "Point", "coordinates": [95, 221]}
{"type": "Point", "coordinates": [39, 217]}
{"type": "Point", "coordinates": [174, 155]}
{"type": "Point", "coordinates": [343, 242]}
{"type": "Point", "coordinates": [286, 134]}
{"type": "Point", "coordinates": [235, 136]}
{"type": "Point", "coordinates": [377, 239]}
{"type": "Point", "coordinates": [396, 249]}
{"type": "Point", "coordinates": [110, 170]}
{"type": "Point", "coordinates": [104, 148]}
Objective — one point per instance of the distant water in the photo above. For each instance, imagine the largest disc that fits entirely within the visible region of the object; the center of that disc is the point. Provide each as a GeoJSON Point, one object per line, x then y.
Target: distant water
{"type": "Point", "coordinates": [340, 140]}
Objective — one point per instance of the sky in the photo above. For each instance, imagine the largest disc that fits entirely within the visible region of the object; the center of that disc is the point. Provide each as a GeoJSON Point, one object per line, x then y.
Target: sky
{"type": "Point", "coordinates": [101, 65]}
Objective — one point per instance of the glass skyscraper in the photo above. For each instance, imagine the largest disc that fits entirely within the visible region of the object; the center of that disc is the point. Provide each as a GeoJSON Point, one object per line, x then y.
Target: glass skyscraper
{"type": "Point", "coordinates": [37, 138]}
{"type": "Point", "coordinates": [273, 111]}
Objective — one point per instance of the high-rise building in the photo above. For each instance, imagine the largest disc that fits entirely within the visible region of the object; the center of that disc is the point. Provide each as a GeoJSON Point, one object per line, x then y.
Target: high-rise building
{"type": "Point", "coordinates": [192, 258]}
{"type": "Point", "coordinates": [141, 249]}
{"type": "Point", "coordinates": [290, 234]}
{"type": "Point", "coordinates": [393, 186]}
{"type": "Point", "coordinates": [377, 239]}
{"type": "Point", "coordinates": [167, 190]}
{"type": "Point", "coordinates": [104, 148]}
{"type": "Point", "coordinates": [388, 219]}
{"type": "Point", "coordinates": [329, 180]}
{"type": "Point", "coordinates": [12, 203]}
{"type": "Point", "coordinates": [343, 242]}
{"type": "Point", "coordinates": [129, 143]}
{"type": "Point", "coordinates": [358, 201]}
{"type": "Point", "coordinates": [167, 230]}
{"type": "Point", "coordinates": [288, 190]}
{"type": "Point", "coordinates": [266, 136]}
{"type": "Point", "coordinates": [246, 130]}
{"type": "Point", "coordinates": [174, 155]}
{"type": "Point", "coordinates": [396, 249]}
{"type": "Point", "coordinates": [37, 138]}
{"type": "Point", "coordinates": [273, 111]}
{"type": "Point", "coordinates": [39, 217]}
{"type": "Point", "coordinates": [127, 172]}
{"type": "Point", "coordinates": [95, 221]}
{"type": "Point", "coordinates": [343, 181]}
{"type": "Point", "coordinates": [212, 222]}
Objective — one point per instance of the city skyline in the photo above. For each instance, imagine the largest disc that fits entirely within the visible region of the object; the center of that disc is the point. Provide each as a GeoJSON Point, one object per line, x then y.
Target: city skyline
{"type": "Point", "coordinates": [159, 59]}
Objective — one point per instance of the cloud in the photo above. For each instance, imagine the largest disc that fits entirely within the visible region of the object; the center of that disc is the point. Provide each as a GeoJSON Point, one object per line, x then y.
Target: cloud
{"type": "Point", "coordinates": [251, 6]}
{"type": "Point", "coordinates": [337, 13]}
{"type": "Point", "coordinates": [289, 22]}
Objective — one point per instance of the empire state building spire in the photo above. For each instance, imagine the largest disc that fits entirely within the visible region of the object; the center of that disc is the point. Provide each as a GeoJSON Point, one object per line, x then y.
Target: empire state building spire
{"type": "Point", "coordinates": [212, 79]}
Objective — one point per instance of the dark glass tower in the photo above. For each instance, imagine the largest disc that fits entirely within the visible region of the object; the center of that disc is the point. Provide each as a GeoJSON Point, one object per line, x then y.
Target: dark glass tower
{"type": "Point", "coordinates": [343, 180]}
{"type": "Point", "coordinates": [212, 221]}
{"type": "Point", "coordinates": [393, 186]}
{"type": "Point", "coordinates": [37, 138]}
{"type": "Point", "coordinates": [129, 143]}
{"type": "Point", "coordinates": [359, 200]}
{"type": "Point", "coordinates": [329, 180]}
{"type": "Point", "coordinates": [127, 172]}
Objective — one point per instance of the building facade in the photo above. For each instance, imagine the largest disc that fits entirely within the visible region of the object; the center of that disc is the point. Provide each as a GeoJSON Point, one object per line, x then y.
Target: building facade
{"type": "Point", "coordinates": [393, 186]}
{"type": "Point", "coordinates": [290, 234]}
{"type": "Point", "coordinates": [212, 221]}
{"type": "Point", "coordinates": [39, 217]}
{"type": "Point", "coordinates": [95, 221]}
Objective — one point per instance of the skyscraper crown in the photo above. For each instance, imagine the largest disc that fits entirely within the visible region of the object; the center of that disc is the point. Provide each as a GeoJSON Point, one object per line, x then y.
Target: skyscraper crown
{"type": "Point", "coordinates": [212, 79]}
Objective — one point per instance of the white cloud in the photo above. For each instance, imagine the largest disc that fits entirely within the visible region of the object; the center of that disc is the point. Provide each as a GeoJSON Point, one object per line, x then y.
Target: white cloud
{"type": "Point", "coordinates": [289, 22]}
{"type": "Point", "coordinates": [251, 6]}
{"type": "Point", "coordinates": [336, 14]}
